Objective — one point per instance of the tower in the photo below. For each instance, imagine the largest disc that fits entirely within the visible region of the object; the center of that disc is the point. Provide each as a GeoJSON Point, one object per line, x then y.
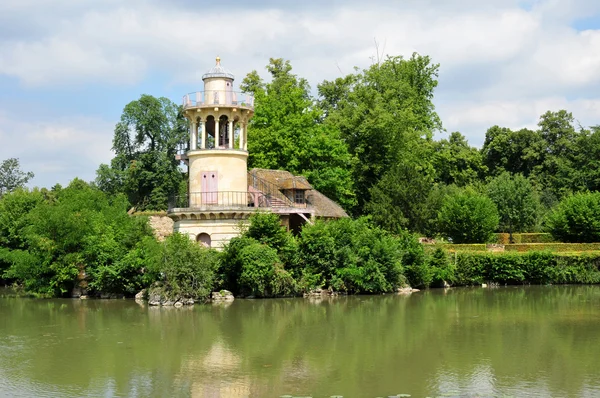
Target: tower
{"type": "Point", "coordinates": [221, 192]}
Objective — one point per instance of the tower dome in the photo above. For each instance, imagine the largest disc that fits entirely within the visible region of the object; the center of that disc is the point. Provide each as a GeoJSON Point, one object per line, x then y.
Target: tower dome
{"type": "Point", "coordinates": [218, 71]}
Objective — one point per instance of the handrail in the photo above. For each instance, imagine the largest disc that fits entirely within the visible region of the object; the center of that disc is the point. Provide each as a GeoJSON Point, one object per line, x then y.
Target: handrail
{"type": "Point", "coordinates": [268, 188]}
{"type": "Point", "coordinates": [218, 97]}
{"type": "Point", "coordinates": [231, 200]}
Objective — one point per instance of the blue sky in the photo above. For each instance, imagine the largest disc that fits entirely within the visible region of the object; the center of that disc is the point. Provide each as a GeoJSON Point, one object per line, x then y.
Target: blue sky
{"type": "Point", "coordinates": [68, 67]}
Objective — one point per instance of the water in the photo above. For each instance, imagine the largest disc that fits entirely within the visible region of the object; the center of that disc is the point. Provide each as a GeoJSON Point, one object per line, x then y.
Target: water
{"type": "Point", "coordinates": [531, 341]}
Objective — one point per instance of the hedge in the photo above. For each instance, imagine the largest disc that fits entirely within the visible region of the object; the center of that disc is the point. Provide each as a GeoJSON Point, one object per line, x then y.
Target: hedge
{"type": "Point", "coordinates": [504, 238]}
{"type": "Point", "coordinates": [524, 268]}
{"type": "Point", "coordinates": [553, 247]}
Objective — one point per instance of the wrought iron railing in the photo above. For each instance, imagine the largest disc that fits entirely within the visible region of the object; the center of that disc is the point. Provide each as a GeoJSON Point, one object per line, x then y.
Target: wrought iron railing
{"type": "Point", "coordinates": [230, 200]}
{"type": "Point", "coordinates": [257, 184]}
{"type": "Point", "coordinates": [218, 97]}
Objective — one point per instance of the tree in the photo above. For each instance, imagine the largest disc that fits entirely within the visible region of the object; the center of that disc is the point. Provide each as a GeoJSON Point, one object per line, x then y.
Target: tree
{"type": "Point", "coordinates": [386, 115]}
{"type": "Point", "coordinates": [576, 218]}
{"type": "Point", "coordinates": [468, 217]}
{"type": "Point", "coordinates": [80, 231]}
{"type": "Point", "coordinates": [398, 200]}
{"type": "Point", "coordinates": [145, 143]}
{"type": "Point", "coordinates": [516, 200]}
{"type": "Point", "coordinates": [284, 133]}
{"type": "Point", "coordinates": [11, 176]}
{"type": "Point", "coordinates": [456, 162]}
{"type": "Point", "coordinates": [517, 152]}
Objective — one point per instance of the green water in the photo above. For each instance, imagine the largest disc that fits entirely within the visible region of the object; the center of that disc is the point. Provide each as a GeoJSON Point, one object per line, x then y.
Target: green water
{"type": "Point", "coordinates": [532, 341]}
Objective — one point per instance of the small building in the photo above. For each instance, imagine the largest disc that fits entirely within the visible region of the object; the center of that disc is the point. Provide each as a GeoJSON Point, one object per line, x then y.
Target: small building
{"type": "Point", "coordinates": [221, 192]}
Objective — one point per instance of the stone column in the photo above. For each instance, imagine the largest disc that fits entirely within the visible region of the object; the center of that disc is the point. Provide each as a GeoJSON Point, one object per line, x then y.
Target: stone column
{"type": "Point", "coordinates": [245, 136]}
{"type": "Point", "coordinates": [217, 133]}
{"type": "Point", "coordinates": [203, 144]}
{"type": "Point", "coordinates": [230, 134]}
{"type": "Point", "coordinates": [194, 137]}
{"type": "Point", "coordinates": [241, 136]}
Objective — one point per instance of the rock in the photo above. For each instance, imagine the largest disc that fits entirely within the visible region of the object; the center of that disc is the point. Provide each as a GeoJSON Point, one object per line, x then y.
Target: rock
{"type": "Point", "coordinates": [140, 295]}
{"type": "Point", "coordinates": [321, 293]}
{"type": "Point", "coordinates": [406, 290]}
{"type": "Point", "coordinates": [178, 304]}
{"type": "Point", "coordinates": [223, 295]}
{"type": "Point", "coordinates": [167, 303]}
{"type": "Point", "coordinates": [83, 297]}
{"type": "Point", "coordinates": [153, 303]}
{"type": "Point", "coordinates": [189, 301]}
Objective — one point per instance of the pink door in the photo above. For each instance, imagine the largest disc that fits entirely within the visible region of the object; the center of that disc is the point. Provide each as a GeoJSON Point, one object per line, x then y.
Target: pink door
{"type": "Point", "coordinates": [209, 187]}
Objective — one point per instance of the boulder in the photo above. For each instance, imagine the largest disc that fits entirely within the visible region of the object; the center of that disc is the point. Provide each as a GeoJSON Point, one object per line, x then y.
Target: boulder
{"type": "Point", "coordinates": [140, 295]}
{"type": "Point", "coordinates": [223, 295]}
{"type": "Point", "coordinates": [406, 290]}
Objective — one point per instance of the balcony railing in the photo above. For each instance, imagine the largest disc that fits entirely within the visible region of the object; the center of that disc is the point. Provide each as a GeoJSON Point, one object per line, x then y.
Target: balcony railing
{"type": "Point", "coordinates": [218, 97]}
{"type": "Point", "coordinates": [231, 200]}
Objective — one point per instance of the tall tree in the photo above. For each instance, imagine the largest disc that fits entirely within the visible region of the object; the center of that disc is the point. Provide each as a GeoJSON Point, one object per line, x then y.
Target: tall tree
{"type": "Point", "coordinates": [11, 176]}
{"type": "Point", "coordinates": [517, 202]}
{"type": "Point", "coordinates": [285, 133]}
{"type": "Point", "coordinates": [512, 151]}
{"type": "Point", "coordinates": [385, 113]}
{"type": "Point", "coordinates": [456, 162]}
{"type": "Point", "coordinates": [145, 143]}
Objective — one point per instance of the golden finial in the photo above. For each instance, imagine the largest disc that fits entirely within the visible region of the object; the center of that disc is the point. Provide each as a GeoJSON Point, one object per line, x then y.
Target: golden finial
{"type": "Point", "coordinates": [218, 60]}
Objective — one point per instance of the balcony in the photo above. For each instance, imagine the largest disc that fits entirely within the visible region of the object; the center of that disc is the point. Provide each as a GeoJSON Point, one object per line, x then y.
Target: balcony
{"type": "Point", "coordinates": [212, 98]}
{"type": "Point", "coordinates": [231, 200]}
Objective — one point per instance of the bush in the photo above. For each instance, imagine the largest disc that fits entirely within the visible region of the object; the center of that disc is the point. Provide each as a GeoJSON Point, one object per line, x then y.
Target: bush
{"type": "Point", "coordinates": [468, 217]}
{"type": "Point", "coordinates": [576, 218]}
{"type": "Point", "coordinates": [532, 267]}
{"type": "Point", "coordinates": [262, 274]}
{"type": "Point", "coordinates": [187, 269]}
{"type": "Point", "coordinates": [352, 256]}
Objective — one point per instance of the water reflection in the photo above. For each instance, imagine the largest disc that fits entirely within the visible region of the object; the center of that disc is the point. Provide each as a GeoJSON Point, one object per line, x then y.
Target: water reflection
{"type": "Point", "coordinates": [461, 342]}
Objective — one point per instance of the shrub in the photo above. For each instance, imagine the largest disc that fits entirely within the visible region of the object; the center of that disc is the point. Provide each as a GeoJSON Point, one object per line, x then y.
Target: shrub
{"type": "Point", "coordinates": [351, 255]}
{"type": "Point", "coordinates": [576, 218]}
{"type": "Point", "coordinates": [262, 274]}
{"type": "Point", "coordinates": [532, 267]}
{"type": "Point", "coordinates": [468, 217]}
{"type": "Point", "coordinates": [187, 269]}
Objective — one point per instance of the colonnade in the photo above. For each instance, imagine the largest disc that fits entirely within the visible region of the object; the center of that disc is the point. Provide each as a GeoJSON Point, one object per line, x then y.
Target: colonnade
{"type": "Point", "coordinates": [194, 135]}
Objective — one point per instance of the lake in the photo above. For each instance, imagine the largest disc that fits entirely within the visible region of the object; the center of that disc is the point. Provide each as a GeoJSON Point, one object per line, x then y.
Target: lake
{"type": "Point", "coordinates": [474, 342]}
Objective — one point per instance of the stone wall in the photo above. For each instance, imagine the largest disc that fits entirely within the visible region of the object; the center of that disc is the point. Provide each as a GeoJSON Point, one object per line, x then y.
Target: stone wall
{"type": "Point", "coordinates": [162, 226]}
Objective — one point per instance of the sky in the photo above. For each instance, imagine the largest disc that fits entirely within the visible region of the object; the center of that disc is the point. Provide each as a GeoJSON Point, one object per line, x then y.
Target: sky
{"type": "Point", "coordinates": [68, 67]}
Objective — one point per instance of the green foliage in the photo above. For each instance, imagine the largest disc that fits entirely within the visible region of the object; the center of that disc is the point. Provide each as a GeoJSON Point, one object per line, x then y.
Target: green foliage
{"type": "Point", "coordinates": [456, 162]}
{"type": "Point", "coordinates": [533, 267]}
{"type": "Point", "coordinates": [262, 273]}
{"type": "Point", "coordinates": [517, 203]}
{"type": "Point", "coordinates": [442, 270]}
{"type": "Point", "coordinates": [285, 134]}
{"type": "Point", "coordinates": [398, 200]}
{"type": "Point", "coordinates": [11, 176]}
{"type": "Point", "coordinates": [468, 217]}
{"type": "Point", "coordinates": [145, 143]}
{"type": "Point", "coordinates": [386, 115]}
{"type": "Point", "coordinates": [576, 218]}
{"type": "Point", "coordinates": [187, 269]}
{"type": "Point", "coordinates": [50, 241]}
{"type": "Point", "coordinates": [351, 255]}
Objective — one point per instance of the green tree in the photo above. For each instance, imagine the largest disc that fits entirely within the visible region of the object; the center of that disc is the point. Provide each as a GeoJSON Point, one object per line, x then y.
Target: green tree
{"type": "Point", "coordinates": [145, 143]}
{"type": "Point", "coordinates": [399, 198]}
{"type": "Point", "coordinates": [468, 217]}
{"type": "Point", "coordinates": [386, 115]}
{"type": "Point", "coordinates": [456, 162]}
{"type": "Point", "coordinates": [517, 152]}
{"type": "Point", "coordinates": [285, 134]}
{"type": "Point", "coordinates": [576, 218]}
{"type": "Point", "coordinates": [77, 231]}
{"type": "Point", "coordinates": [11, 176]}
{"type": "Point", "coordinates": [516, 200]}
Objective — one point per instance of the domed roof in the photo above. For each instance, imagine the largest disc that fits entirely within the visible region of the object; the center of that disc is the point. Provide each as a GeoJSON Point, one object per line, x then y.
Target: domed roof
{"type": "Point", "coordinates": [218, 71]}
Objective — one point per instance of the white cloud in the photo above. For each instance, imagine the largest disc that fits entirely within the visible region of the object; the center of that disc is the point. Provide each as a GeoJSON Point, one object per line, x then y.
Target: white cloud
{"type": "Point", "coordinates": [56, 150]}
{"type": "Point", "coordinates": [502, 62]}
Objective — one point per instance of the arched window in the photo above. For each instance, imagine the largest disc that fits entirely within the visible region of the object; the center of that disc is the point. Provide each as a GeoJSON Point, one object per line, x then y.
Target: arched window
{"type": "Point", "coordinates": [204, 239]}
